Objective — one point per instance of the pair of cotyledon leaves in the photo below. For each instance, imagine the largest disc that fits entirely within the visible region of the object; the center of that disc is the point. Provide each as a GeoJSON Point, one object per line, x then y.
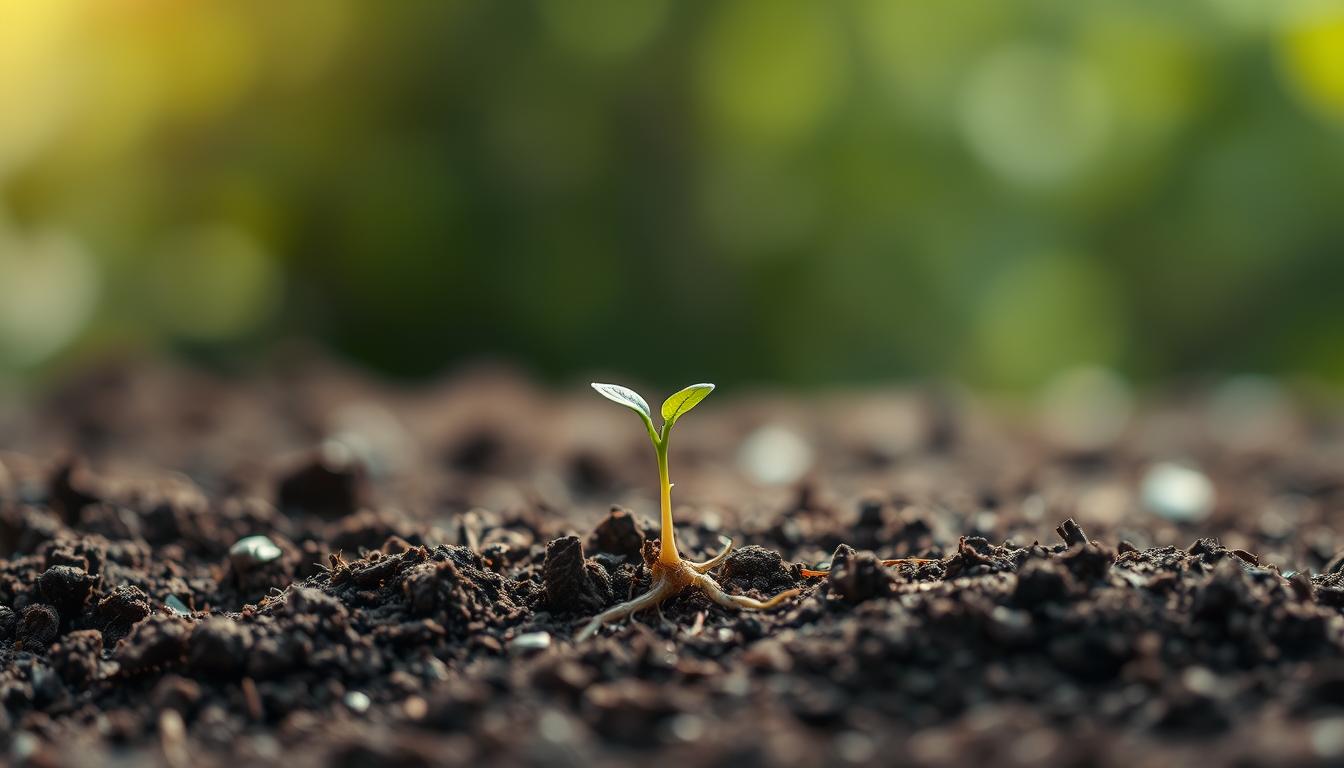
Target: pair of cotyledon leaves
{"type": "Point", "coordinates": [673, 407]}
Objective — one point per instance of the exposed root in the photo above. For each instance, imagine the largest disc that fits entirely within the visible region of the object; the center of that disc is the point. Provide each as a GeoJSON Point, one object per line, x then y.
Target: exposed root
{"type": "Point", "coordinates": [668, 580]}
{"type": "Point", "coordinates": [660, 590]}
{"type": "Point", "coordinates": [715, 561]}
{"type": "Point", "coordinates": [716, 593]}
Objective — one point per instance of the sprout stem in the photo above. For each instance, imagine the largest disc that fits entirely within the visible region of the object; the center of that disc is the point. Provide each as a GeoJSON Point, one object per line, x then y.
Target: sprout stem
{"type": "Point", "coordinates": [668, 553]}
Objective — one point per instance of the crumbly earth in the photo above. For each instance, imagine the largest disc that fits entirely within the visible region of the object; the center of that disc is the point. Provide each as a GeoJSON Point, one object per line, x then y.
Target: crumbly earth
{"type": "Point", "coordinates": [439, 547]}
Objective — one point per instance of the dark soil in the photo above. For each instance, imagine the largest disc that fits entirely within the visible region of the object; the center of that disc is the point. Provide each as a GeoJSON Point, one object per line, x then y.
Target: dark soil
{"type": "Point", "coordinates": [432, 552]}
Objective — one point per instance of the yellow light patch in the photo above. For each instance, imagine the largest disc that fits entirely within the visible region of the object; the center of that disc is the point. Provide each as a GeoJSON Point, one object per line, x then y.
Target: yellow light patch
{"type": "Point", "coordinates": [1311, 58]}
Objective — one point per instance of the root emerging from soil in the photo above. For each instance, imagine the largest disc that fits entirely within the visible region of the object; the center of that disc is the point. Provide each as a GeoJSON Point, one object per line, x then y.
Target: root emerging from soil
{"type": "Point", "coordinates": [670, 579]}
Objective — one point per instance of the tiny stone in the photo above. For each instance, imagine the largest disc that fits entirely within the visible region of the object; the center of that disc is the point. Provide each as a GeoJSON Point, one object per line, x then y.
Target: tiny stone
{"type": "Point", "coordinates": [555, 727]}
{"type": "Point", "coordinates": [357, 701]}
{"type": "Point", "coordinates": [177, 606]}
{"type": "Point", "coordinates": [530, 641]}
{"type": "Point", "coordinates": [252, 551]}
{"type": "Point", "coordinates": [24, 746]}
{"type": "Point", "coordinates": [1177, 493]}
{"type": "Point", "coordinates": [1200, 680]}
{"type": "Point", "coordinates": [686, 728]}
{"type": "Point", "coordinates": [855, 747]}
{"type": "Point", "coordinates": [1327, 737]}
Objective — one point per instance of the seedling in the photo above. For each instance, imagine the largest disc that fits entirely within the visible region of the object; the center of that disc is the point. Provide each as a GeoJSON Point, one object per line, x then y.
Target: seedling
{"type": "Point", "coordinates": [671, 573]}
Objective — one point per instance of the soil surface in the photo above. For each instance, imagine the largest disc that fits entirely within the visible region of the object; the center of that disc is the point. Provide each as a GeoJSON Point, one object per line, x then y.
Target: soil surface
{"type": "Point", "coordinates": [311, 568]}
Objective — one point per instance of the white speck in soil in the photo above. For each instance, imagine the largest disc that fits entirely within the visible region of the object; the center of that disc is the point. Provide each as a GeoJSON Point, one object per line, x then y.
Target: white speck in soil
{"type": "Point", "coordinates": [855, 747]}
{"type": "Point", "coordinates": [1200, 680]}
{"type": "Point", "coordinates": [23, 746]}
{"type": "Point", "coordinates": [1177, 493]}
{"type": "Point", "coordinates": [357, 701]}
{"type": "Point", "coordinates": [530, 641]}
{"type": "Point", "coordinates": [1327, 737]}
{"type": "Point", "coordinates": [555, 727]}
{"type": "Point", "coordinates": [686, 728]}
{"type": "Point", "coordinates": [252, 551]}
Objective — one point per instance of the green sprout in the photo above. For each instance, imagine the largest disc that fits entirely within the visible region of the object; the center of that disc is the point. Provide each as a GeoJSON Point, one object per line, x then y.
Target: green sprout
{"type": "Point", "coordinates": [671, 573]}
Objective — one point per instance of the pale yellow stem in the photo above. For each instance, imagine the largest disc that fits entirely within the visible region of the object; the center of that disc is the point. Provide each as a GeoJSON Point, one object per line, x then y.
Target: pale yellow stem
{"type": "Point", "coordinates": [667, 554]}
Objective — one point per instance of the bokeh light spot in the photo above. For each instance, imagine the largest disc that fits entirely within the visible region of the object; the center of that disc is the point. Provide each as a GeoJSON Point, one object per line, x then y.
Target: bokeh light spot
{"type": "Point", "coordinates": [49, 289]}
{"type": "Point", "coordinates": [769, 72]}
{"type": "Point", "coordinates": [1035, 116]}
{"type": "Point", "coordinates": [1311, 57]}
{"type": "Point", "coordinates": [603, 29]}
{"type": "Point", "coordinates": [1045, 314]}
{"type": "Point", "coordinates": [35, 80]}
{"type": "Point", "coordinates": [214, 283]}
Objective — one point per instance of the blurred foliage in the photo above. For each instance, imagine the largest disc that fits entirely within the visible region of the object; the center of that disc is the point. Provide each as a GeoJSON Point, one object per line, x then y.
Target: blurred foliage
{"type": "Point", "coordinates": [780, 190]}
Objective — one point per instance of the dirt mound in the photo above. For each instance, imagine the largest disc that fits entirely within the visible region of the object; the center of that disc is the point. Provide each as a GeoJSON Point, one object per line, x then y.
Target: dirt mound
{"type": "Point", "coordinates": [233, 602]}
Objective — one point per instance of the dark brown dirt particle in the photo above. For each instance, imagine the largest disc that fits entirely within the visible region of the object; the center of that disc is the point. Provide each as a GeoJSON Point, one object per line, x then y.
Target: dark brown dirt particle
{"type": "Point", "coordinates": [154, 642]}
{"type": "Point", "coordinates": [1088, 562]}
{"type": "Point", "coordinates": [1071, 533]}
{"type": "Point", "coordinates": [219, 646]}
{"type": "Point", "coordinates": [758, 569]}
{"type": "Point", "coordinates": [38, 628]}
{"type": "Point", "coordinates": [71, 490]}
{"type": "Point", "coordinates": [78, 656]}
{"type": "Point", "coordinates": [65, 587]}
{"type": "Point", "coordinates": [123, 607]}
{"type": "Point", "coordinates": [8, 621]}
{"type": "Point", "coordinates": [858, 576]}
{"type": "Point", "coordinates": [331, 485]}
{"type": "Point", "coordinates": [574, 584]}
{"type": "Point", "coordinates": [618, 534]}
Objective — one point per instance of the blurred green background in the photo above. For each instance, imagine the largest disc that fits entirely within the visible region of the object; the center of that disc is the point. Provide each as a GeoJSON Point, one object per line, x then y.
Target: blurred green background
{"type": "Point", "coordinates": [769, 190]}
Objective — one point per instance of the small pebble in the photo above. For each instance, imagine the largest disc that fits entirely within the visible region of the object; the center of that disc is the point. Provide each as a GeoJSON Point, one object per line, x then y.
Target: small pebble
{"type": "Point", "coordinates": [357, 701]}
{"type": "Point", "coordinates": [554, 726]}
{"type": "Point", "coordinates": [530, 641]}
{"type": "Point", "coordinates": [1327, 737]}
{"type": "Point", "coordinates": [855, 747]}
{"type": "Point", "coordinates": [24, 746]}
{"type": "Point", "coordinates": [252, 551]}
{"type": "Point", "coordinates": [686, 728]}
{"type": "Point", "coordinates": [1177, 493]}
{"type": "Point", "coordinates": [177, 606]}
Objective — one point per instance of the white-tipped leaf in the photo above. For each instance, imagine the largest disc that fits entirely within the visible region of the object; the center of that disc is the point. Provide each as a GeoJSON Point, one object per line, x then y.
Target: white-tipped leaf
{"type": "Point", "coordinates": [683, 401]}
{"type": "Point", "coordinates": [625, 396]}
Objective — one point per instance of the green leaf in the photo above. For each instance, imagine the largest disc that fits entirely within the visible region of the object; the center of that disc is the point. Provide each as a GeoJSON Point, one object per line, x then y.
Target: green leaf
{"type": "Point", "coordinates": [625, 396]}
{"type": "Point", "coordinates": [683, 401]}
